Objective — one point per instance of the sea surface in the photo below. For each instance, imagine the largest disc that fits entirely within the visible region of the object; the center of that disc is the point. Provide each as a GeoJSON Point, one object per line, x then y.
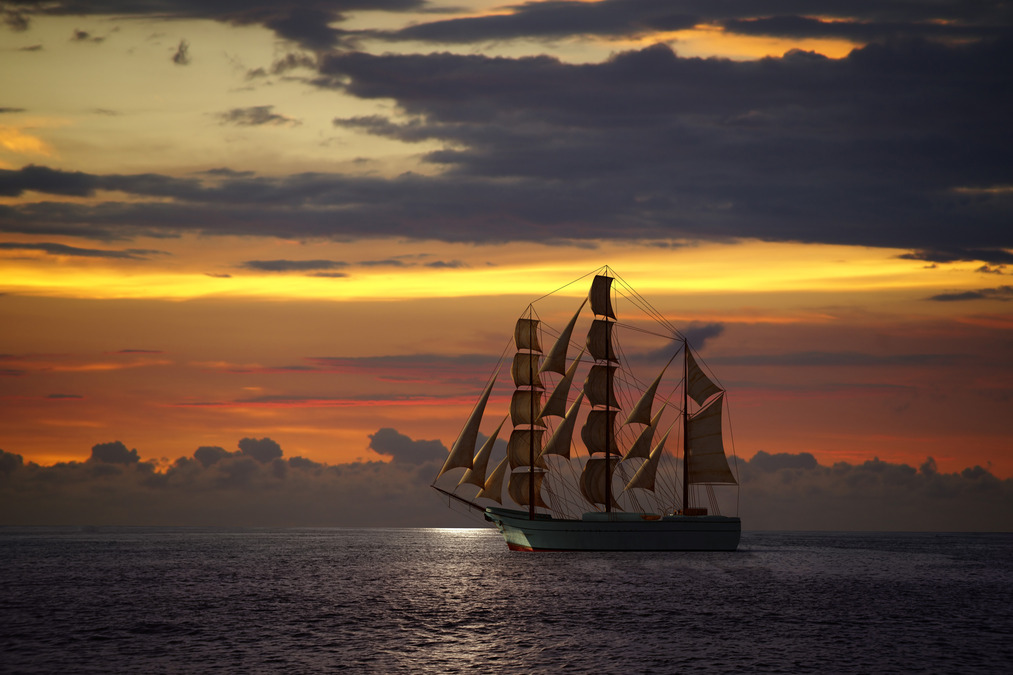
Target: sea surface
{"type": "Point", "coordinates": [151, 600]}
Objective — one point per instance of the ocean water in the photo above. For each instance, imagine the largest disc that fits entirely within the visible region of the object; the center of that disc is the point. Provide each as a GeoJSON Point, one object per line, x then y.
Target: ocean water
{"type": "Point", "coordinates": [150, 600]}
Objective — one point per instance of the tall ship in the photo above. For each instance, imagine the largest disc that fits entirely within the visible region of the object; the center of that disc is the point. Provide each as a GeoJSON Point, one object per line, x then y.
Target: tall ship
{"type": "Point", "coordinates": [649, 471]}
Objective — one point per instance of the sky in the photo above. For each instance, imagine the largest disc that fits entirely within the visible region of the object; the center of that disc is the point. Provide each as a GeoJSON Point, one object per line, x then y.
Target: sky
{"type": "Point", "coordinates": [309, 226]}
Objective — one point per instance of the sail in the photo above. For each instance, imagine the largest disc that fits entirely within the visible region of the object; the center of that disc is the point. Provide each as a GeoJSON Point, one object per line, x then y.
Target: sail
{"type": "Point", "coordinates": [707, 462]}
{"type": "Point", "coordinates": [598, 387]}
{"type": "Point", "coordinates": [525, 370]}
{"type": "Point", "coordinates": [648, 471]}
{"type": "Point", "coordinates": [525, 406]}
{"type": "Point", "coordinates": [464, 447]}
{"type": "Point", "coordinates": [519, 447]}
{"type": "Point", "coordinates": [595, 432]}
{"type": "Point", "coordinates": [520, 487]}
{"type": "Point", "coordinates": [526, 335]}
{"type": "Point", "coordinates": [601, 296]}
{"type": "Point", "coordinates": [641, 413]}
{"type": "Point", "coordinates": [555, 362]}
{"type": "Point", "coordinates": [593, 477]}
{"type": "Point", "coordinates": [559, 442]}
{"type": "Point", "coordinates": [493, 488]}
{"type": "Point", "coordinates": [642, 446]}
{"type": "Point", "coordinates": [698, 385]}
{"type": "Point", "coordinates": [476, 474]}
{"type": "Point", "coordinates": [556, 403]}
{"type": "Point", "coordinates": [599, 341]}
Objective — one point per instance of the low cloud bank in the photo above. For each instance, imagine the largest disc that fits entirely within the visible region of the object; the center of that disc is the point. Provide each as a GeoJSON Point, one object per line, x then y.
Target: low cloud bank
{"type": "Point", "coordinates": [256, 486]}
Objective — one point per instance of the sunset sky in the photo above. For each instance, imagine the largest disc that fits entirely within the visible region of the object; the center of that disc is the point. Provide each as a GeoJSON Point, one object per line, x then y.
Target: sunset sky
{"type": "Point", "coordinates": [312, 221]}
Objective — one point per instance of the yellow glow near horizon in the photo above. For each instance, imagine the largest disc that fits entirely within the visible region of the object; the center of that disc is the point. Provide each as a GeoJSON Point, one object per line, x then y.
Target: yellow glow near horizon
{"type": "Point", "coordinates": [521, 269]}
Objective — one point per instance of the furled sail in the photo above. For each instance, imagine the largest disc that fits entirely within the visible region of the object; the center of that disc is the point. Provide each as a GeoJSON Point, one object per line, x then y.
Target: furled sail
{"type": "Point", "coordinates": [593, 477]}
{"type": "Point", "coordinates": [601, 296]}
{"type": "Point", "coordinates": [555, 361]}
{"type": "Point", "coordinates": [598, 387]}
{"type": "Point", "coordinates": [559, 442]}
{"type": "Point", "coordinates": [698, 385]}
{"type": "Point", "coordinates": [642, 446]}
{"type": "Point", "coordinates": [519, 488]}
{"type": "Point", "coordinates": [525, 405]}
{"type": "Point", "coordinates": [493, 488]}
{"type": "Point", "coordinates": [599, 341]}
{"type": "Point", "coordinates": [525, 370]}
{"type": "Point", "coordinates": [707, 462]}
{"type": "Point", "coordinates": [476, 474]}
{"type": "Point", "coordinates": [519, 447]}
{"type": "Point", "coordinates": [556, 403]}
{"type": "Point", "coordinates": [464, 447]}
{"type": "Point", "coordinates": [648, 471]}
{"type": "Point", "coordinates": [526, 335]}
{"type": "Point", "coordinates": [596, 431]}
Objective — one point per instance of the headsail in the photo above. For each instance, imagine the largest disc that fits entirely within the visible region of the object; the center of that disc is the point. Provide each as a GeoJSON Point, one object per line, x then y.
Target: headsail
{"type": "Point", "coordinates": [642, 446]}
{"type": "Point", "coordinates": [641, 413]}
{"type": "Point", "coordinates": [493, 488]}
{"type": "Point", "coordinates": [559, 442]}
{"type": "Point", "coordinates": [476, 474]}
{"type": "Point", "coordinates": [556, 403]}
{"type": "Point", "coordinates": [648, 471]}
{"type": "Point", "coordinates": [464, 447]}
{"type": "Point", "coordinates": [555, 361]}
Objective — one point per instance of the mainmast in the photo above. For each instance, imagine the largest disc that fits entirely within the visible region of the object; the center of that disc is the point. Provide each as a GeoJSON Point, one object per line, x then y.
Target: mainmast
{"type": "Point", "coordinates": [531, 442]}
{"type": "Point", "coordinates": [685, 426]}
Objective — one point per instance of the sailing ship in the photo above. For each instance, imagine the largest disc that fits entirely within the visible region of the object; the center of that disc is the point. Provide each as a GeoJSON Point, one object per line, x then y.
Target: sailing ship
{"type": "Point", "coordinates": [651, 451]}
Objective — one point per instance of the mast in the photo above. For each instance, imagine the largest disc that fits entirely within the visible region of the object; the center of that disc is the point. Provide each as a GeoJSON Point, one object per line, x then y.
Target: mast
{"type": "Point", "coordinates": [685, 426]}
{"type": "Point", "coordinates": [531, 444]}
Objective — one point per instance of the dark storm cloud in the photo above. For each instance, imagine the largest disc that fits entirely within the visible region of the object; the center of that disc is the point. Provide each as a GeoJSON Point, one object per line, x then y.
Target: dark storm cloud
{"type": "Point", "coordinates": [77, 252]}
{"type": "Point", "coordinates": [904, 145]}
{"type": "Point", "coordinates": [261, 449]}
{"type": "Point", "coordinates": [306, 22]}
{"type": "Point", "coordinates": [257, 115]}
{"type": "Point", "coordinates": [858, 21]}
{"type": "Point", "coordinates": [292, 265]}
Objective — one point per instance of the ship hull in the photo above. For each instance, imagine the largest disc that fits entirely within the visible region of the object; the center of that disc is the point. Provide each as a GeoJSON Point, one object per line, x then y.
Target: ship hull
{"type": "Point", "coordinates": [616, 532]}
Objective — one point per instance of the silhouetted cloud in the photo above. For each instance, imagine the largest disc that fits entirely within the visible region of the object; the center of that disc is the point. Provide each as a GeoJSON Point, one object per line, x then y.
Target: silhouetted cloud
{"type": "Point", "coordinates": [77, 252]}
{"type": "Point", "coordinates": [292, 265]}
{"type": "Point", "coordinates": [182, 55]}
{"type": "Point", "coordinates": [114, 453]}
{"type": "Point", "coordinates": [11, 110]}
{"type": "Point", "coordinates": [1004, 293]}
{"type": "Point", "coordinates": [402, 448]}
{"type": "Point", "coordinates": [257, 115]}
{"type": "Point", "coordinates": [217, 487]}
{"type": "Point", "coordinates": [261, 449]}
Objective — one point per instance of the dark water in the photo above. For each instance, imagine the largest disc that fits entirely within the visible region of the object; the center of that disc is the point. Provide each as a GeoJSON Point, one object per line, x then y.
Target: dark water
{"type": "Point", "coordinates": [436, 601]}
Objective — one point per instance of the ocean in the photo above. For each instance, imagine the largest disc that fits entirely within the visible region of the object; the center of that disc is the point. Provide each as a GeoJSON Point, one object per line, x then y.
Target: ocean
{"type": "Point", "coordinates": [167, 600]}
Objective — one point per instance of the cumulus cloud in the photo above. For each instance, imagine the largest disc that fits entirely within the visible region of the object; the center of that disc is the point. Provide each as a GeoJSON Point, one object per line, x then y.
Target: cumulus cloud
{"type": "Point", "coordinates": [258, 486]}
{"type": "Point", "coordinates": [401, 448]}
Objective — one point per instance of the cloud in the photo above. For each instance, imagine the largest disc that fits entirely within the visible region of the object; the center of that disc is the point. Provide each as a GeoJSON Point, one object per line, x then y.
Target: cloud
{"type": "Point", "coordinates": [403, 449]}
{"type": "Point", "coordinates": [291, 265]}
{"type": "Point", "coordinates": [182, 55]}
{"type": "Point", "coordinates": [217, 487]}
{"type": "Point", "coordinates": [84, 36]}
{"type": "Point", "coordinates": [77, 252]}
{"type": "Point", "coordinates": [113, 453]}
{"type": "Point", "coordinates": [14, 19]}
{"type": "Point", "coordinates": [646, 146]}
{"type": "Point", "coordinates": [263, 450]}
{"type": "Point", "coordinates": [257, 115]}
{"type": "Point", "coordinates": [1004, 293]}
{"type": "Point", "coordinates": [11, 110]}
